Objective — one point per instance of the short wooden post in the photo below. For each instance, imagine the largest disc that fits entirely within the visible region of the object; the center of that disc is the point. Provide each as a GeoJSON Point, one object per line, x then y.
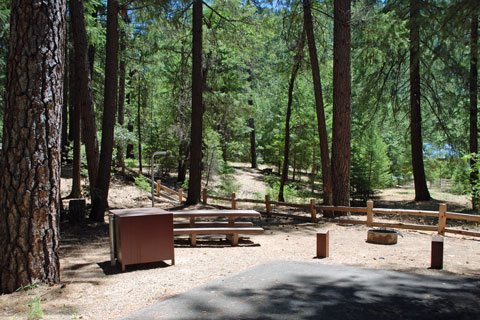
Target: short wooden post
{"type": "Point", "coordinates": [204, 195]}
{"type": "Point", "coordinates": [180, 195]}
{"type": "Point", "coordinates": [313, 211]}
{"type": "Point", "coordinates": [322, 244]}
{"type": "Point", "coordinates": [159, 182]}
{"type": "Point", "coordinates": [442, 218]}
{"type": "Point", "coordinates": [234, 202]}
{"type": "Point", "coordinates": [76, 210]}
{"type": "Point", "coordinates": [437, 252]}
{"type": "Point", "coordinates": [268, 205]}
{"type": "Point", "coordinates": [369, 213]}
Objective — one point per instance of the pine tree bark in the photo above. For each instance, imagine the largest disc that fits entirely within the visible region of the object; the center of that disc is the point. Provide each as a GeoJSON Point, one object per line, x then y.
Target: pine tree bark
{"type": "Point", "coordinates": [341, 104]}
{"type": "Point", "coordinates": [182, 124]}
{"type": "Point", "coordinates": [286, 151]}
{"type": "Point", "coordinates": [121, 88]}
{"type": "Point", "coordinates": [421, 190]}
{"type": "Point", "coordinates": [30, 161]}
{"type": "Point", "coordinates": [139, 127]}
{"type": "Point", "coordinates": [129, 152]}
{"type": "Point", "coordinates": [83, 90]}
{"type": "Point", "coordinates": [253, 143]}
{"type": "Point", "coordinates": [76, 165]}
{"type": "Point", "coordinates": [473, 79]}
{"type": "Point", "coordinates": [100, 195]}
{"type": "Point", "coordinates": [319, 106]}
{"type": "Point", "coordinates": [195, 174]}
{"type": "Point", "coordinates": [71, 83]}
{"type": "Point", "coordinates": [65, 107]}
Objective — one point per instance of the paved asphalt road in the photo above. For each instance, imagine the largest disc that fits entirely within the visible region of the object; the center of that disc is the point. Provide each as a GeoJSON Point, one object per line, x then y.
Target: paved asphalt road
{"type": "Point", "coordinates": [303, 290]}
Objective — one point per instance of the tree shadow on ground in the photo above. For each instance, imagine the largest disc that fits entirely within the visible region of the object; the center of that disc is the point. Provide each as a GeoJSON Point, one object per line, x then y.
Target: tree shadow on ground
{"type": "Point", "coordinates": [431, 205]}
{"type": "Point", "coordinates": [76, 236]}
{"type": "Point", "coordinates": [289, 290]}
{"type": "Point", "coordinates": [109, 270]}
{"type": "Point", "coordinates": [214, 242]}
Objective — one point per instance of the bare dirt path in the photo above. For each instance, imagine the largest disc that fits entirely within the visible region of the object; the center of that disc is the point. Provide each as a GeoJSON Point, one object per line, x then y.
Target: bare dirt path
{"type": "Point", "coordinates": [91, 289]}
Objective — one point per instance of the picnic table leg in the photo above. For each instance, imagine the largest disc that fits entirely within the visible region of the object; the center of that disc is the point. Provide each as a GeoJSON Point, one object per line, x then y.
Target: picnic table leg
{"type": "Point", "coordinates": [193, 237]}
{"type": "Point", "coordinates": [233, 239]}
{"type": "Point", "coordinates": [193, 240]}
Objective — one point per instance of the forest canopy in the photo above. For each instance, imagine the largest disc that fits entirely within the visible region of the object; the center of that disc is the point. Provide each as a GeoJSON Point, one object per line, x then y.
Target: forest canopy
{"type": "Point", "coordinates": [248, 52]}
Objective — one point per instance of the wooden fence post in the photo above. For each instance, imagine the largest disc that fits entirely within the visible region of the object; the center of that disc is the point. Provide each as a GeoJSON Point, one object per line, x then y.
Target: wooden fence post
{"type": "Point", "coordinates": [234, 203]}
{"type": "Point", "coordinates": [204, 193]}
{"type": "Point", "coordinates": [268, 205]}
{"type": "Point", "coordinates": [442, 218]}
{"type": "Point", "coordinates": [313, 211]}
{"type": "Point", "coordinates": [180, 195]}
{"type": "Point", "coordinates": [158, 187]}
{"type": "Point", "coordinates": [369, 213]}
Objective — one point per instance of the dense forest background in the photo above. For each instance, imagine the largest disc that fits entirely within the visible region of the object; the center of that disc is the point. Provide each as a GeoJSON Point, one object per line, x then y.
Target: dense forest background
{"type": "Point", "coordinates": [249, 50]}
{"type": "Point", "coordinates": [354, 97]}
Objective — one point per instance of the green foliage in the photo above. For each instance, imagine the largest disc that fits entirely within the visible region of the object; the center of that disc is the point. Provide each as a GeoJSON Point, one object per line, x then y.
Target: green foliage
{"type": "Point", "coordinates": [370, 165]}
{"type": "Point", "coordinates": [247, 60]}
{"type": "Point", "coordinates": [29, 286]}
{"type": "Point", "coordinates": [473, 186]}
{"type": "Point", "coordinates": [461, 176]}
{"type": "Point", "coordinates": [142, 183]}
{"type": "Point", "coordinates": [35, 310]}
{"type": "Point", "coordinates": [290, 192]}
{"type": "Point", "coordinates": [131, 163]}
{"type": "Point", "coordinates": [228, 183]}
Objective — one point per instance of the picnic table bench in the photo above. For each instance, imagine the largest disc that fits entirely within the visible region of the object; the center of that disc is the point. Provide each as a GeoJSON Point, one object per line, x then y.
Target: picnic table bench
{"type": "Point", "coordinates": [231, 228]}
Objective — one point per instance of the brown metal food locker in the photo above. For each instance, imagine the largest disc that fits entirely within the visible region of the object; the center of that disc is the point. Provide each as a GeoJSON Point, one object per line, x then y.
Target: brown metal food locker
{"type": "Point", "coordinates": [141, 235]}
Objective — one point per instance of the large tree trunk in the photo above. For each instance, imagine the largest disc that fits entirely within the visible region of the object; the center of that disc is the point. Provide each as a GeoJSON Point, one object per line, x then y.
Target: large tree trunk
{"type": "Point", "coordinates": [129, 151]}
{"type": "Point", "coordinates": [75, 121]}
{"type": "Point", "coordinates": [121, 88]}
{"type": "Point", "coordinates": [139, 127]}
{"type": "Point", "coordinates": [341, 104]}
{"type": "Point", "coordinates": [182, 125]}
{"type": "Point", "coordinates": [30, 160]}
{"type": "Point", "coordinates": [71, 82]}
{"type": "Point", "coordinates": [319, 106]}
{"type": "Point", "coordinates": [100, 198]}
{"type": "Point", "coordinates": [253, 144]}
{"type": "Point", "coordinates": [92, 50]}
{"type": "Point", "coordinates": [296, 66]}
{"type": "Point", "coordinates": [83, 90]}
{"type": "Point", "coordinates": [65, 107]}
{"type": "Point", "coordinates": [76, 170]}
{"type": "Point", "coordinates": [195, 175]}
{"type": "Point", "coordinates": [183, 153]}
{"type": "Point", "coordinates": [421, 190]}
{"type": "Point", "coordinates": [473, 141]}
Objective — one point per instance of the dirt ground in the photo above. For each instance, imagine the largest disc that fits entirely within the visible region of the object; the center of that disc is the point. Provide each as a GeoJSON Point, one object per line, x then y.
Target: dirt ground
{"type": "Point", "coordinates": [91, 289]}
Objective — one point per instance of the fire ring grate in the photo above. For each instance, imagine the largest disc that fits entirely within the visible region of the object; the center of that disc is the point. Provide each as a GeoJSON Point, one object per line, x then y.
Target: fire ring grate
{"type": "Point", "coordinates": [382, 236]}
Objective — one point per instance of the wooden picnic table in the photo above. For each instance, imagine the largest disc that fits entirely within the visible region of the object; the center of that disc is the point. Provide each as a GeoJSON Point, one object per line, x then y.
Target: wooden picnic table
{"type": "Point", "coordinates": [231, 228]}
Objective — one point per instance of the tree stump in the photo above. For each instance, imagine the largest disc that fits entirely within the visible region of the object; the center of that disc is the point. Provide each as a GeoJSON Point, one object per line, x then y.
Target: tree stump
{"type": "Point", "coordinates": [76, 210]}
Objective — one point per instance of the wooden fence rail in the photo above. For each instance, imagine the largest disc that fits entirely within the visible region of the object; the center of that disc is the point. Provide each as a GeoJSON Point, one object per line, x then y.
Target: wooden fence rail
{"type": "Point", "coordinates": [442, 215]}
{"type": "Point", "coordinates": [169, 194]}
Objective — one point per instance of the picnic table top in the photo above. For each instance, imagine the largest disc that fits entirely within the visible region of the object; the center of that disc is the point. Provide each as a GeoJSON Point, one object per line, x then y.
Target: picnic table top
{"type": "Point", "coordinates": [215, 213]}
